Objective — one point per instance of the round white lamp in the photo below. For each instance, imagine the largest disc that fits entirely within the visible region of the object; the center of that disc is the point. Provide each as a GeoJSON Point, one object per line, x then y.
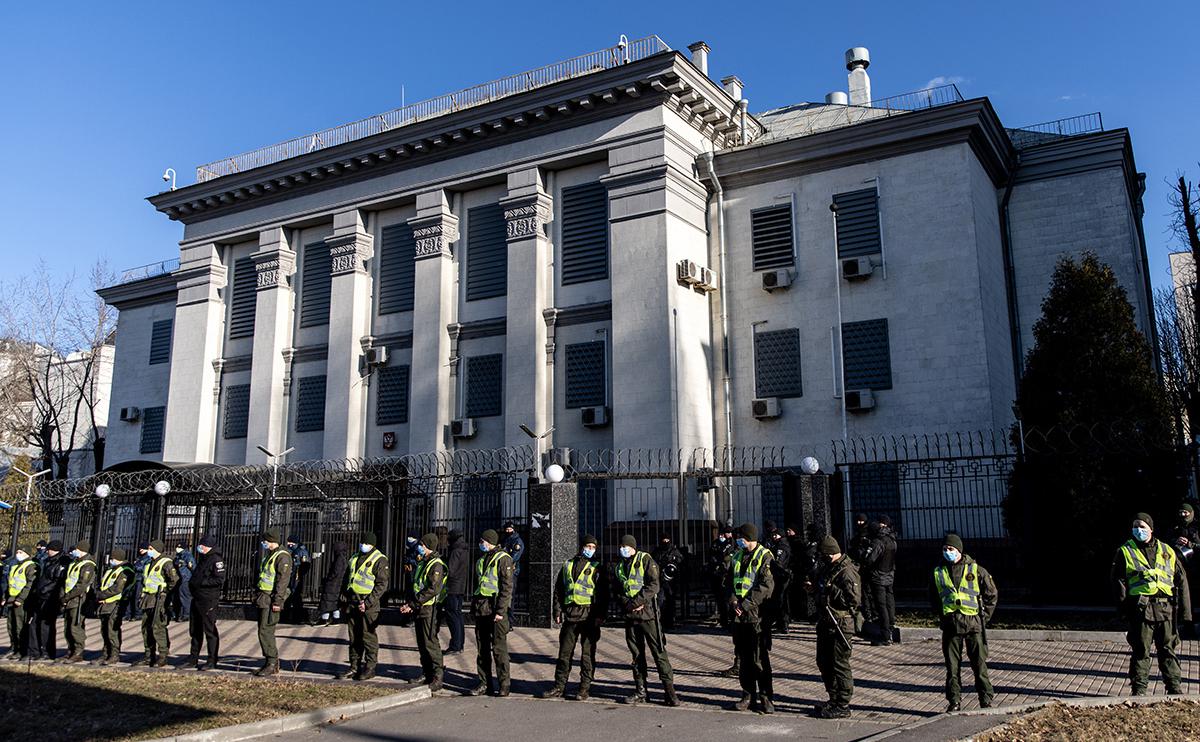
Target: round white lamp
{"type": "Point", "coordinates": [162, 487]}
{"type": "Point", "coordinates": [102, 491]}
{"type": "Point", "coordinates": [810, 465]}
{"type": "Point", "coordinates": [555, 473]}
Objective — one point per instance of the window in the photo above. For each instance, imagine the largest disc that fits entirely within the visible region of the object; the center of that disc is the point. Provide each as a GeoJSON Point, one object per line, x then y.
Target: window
{"type": "Point", "coordinates": [153, 419]}
{"type": "Point", "coordinates": [584, 233]}
{"type": "Point", "coordinates": [777, 364]}
{"type": "Point", "coordinates": [316, 283]}
{"type": "Point", "coordinates": [585, 375]}
{"type": "Point", "coordinates": [397, 269]}
{"type": "Point", "coordinates": [485, 386]}
{"type": "Point", "coordinates": [857, 223]}
{"type": "Point", "coordinates": [391, 404]}
{"type": "Point", "coordinates": [244, 302]}
{"type": "Point", "coordinates": [866, 355]}
{"type": "Point", "coordinates": [237, 411]}
{"type": "Point", "coordinates": [160, 341]}
{"type": "Point", "coordinates": [771, 236]}
{"type": "Point", "coordinates": [310, 404]}
{"type": "Point", "coordinates": [487, 252]}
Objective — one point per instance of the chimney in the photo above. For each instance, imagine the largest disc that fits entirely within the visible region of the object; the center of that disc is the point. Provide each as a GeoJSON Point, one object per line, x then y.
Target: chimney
{"type": "Point", "coordinates": [700, 52]}
{"type": "Point", "coordinates": [733, 86]}
{"type": "Point", "coordinates": [857, 61]}
{"type": "Point", "coordinates": [836, 98]}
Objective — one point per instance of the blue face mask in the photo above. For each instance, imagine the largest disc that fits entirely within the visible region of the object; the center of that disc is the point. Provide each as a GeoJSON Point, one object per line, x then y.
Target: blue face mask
{"type": "Point", "coordinates": [483, 548]}
{"type": "Point", "coordinates": [627, 551]}
{"type": "Point", "coordinates": [950, 555]}
{"type": "Point", "coordinates": [588, 552]}
{"type": "Point", "coordinates": [741, 543]}
{"type": "Point", "coordinates": [265, 545]}
{"type": "Point", "coordinates": [1141, 534]}
{"type": "Point", "coordinates": [721, 539]}
{"type": "Point", "coordinates": [364, 548]}
{"type": "Point", "coordinates": [153, 554]}
{"type": "Point", "coordinates": [421, 550]}
{"type": "Point", "coordinates": [113, 563]}
{"type": "Point", "coordinates": [76, 553]}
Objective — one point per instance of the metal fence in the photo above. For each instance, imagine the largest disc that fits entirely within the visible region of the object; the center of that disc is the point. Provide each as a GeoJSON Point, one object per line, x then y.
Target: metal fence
{"type": "Point", "coordinates": [1052, 131]}
{"type": "Point", "coordinates": [818, 117]}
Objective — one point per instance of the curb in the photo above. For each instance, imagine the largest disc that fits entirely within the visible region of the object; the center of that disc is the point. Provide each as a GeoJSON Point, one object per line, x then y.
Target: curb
{"type": "Point", "coordinates": [302, 720]}
{"type": "Point", "coordinates": [1022, 635]}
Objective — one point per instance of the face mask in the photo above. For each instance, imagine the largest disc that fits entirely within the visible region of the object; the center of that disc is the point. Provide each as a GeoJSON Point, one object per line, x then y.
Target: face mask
{"type": "Point", "coordinates": [483, 548]}
{"type": "Point", "coordinates": [152, 554]}
{"type": "Point", "coordinates": [627, 551]}
{"type": "Point", "coordinates": [76, 553]}
{"type": "Point", "coordinates": [1141, 534]}
{"type": "Point", "coordinates": [951, 555]}
{"type": "Point", "coordinates": [113, 563]}
{"type": "Point", "coordinates": [202, 549]}
{"type": "Point", "coordinates": [364, 548]}
{"type": "Point", "coordinates": [178, 549]}
{"type": "Point", "coordinates": [588, 552]}
{"type": "Point", "coordinates": [721, 539]}
{"type": "Point", "coordinates": [264, 545]}
{"type": "Point", "coordinates": [741, 543]}
{"type": "Point", "coordinates": [411, 541]}
{"type": "Point", "coordinates": [22, 557]}
{"type": "Point", "coordinates": [421, 550]}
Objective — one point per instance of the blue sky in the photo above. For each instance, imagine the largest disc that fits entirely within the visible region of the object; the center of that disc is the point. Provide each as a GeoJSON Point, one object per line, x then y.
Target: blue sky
{"type": "Point", "coordinates": [98, 99]}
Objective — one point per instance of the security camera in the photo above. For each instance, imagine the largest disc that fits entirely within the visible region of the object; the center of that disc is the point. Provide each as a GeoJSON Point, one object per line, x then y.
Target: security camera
{"type": "Point", "coordinates": [166, 176]}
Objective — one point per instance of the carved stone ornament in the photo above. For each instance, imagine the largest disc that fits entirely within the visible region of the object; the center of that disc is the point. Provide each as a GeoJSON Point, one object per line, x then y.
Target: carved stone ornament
{"type": "Point", "coordinates": [434, 238]}
{"type": "Point", "coordinates": [528, 219]}
{"type": "Point", "coordinates": [349, 253]}
{"type": "Point", "coordinates": [273, 270]}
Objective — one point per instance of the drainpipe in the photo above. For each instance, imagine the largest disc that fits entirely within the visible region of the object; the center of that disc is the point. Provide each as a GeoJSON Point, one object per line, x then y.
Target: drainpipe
{"type": "Point", "coordinates": [1010, 278]}
{"type": "Point", "coordinates": [706, 160]}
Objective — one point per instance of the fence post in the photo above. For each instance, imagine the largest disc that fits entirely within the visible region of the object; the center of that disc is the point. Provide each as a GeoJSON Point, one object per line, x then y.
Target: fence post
{"type": "Point", "coordinates": [18, 509]}
{"type": "Point", "coordinates": [158, 529]}
{"type": "Point", "coordinates": [98, 526]}
{"type": "Point", "coordinates": [553, 539]}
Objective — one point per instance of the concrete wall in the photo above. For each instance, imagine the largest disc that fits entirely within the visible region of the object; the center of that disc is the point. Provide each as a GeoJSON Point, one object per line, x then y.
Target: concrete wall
{"type": "Point", "coordinates": [136, 383]}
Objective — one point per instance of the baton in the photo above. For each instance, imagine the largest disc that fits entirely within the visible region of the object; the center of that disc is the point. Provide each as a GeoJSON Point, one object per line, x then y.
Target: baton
{"type": "Point", "coordinates": [837, 626]}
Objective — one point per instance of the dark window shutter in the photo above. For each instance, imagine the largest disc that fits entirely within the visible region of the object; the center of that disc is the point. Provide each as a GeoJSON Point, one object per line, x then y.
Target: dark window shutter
{"type": "Point", "coordinates": [237, 411]}
{"type": "Point", "coordinates": [857, 223]}
{"type": "Point", "coordinates": [777, 364]}
{"type": "Point", "coordinates": [487, 252]}
{"type": "Point", "coordinates": [316, 284]}
{"type": "Point", "coordinates": [397, 269]}
{"type": "Point", "coordinates": [153, 419]}
{"type": "Point", "coordinates": [310, 404]}
{"type": "Point", "coordinates": [391, 406]}
{"type": "Point", "coordinates": [585, 375]}
{"type": "Point", "coordinates": [160, 341]}
{"type": "Point", "coordinates": [245, 299]}
{"type": "Point", "coordinates": [771, 235]}
{"type": "Point", "coordinates": [867, 357]}
{"type": "Point", "coordinates": [485, 386]}
{"type": "Point", "coordinates": [584, 233]}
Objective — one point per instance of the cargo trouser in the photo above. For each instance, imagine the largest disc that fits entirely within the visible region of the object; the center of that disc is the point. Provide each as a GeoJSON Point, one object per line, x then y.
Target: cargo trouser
{"type": "Point", "coordinates": [638, 636]}
{"type": "Point", "coordinates": [1165, 637]}
{"type": "Point", "coordinates": [752, 644]}
{"type": "Point", "coordinates": [429, 647]}
{"type": "Point", "coordinates": [491, 639]}
{"type": "Point", "coordinates": [267, 621]}
{"type": "Point", "coordinates": [110, 630]}
{"type": "Point", "coordinates": [18, 630]}
{"type": "Point", "coordinates": [952, 649]}
{"type": "Point", "coordinates": [155, 639]}
{"type": "Point", "coordinates": [587, 635]}
{"type": "Point", "coordinates": [833, 660]}
{"type": "Point", "coordinates": [364, 641]}
{"type": "Point", "coordinates": [74, 630]}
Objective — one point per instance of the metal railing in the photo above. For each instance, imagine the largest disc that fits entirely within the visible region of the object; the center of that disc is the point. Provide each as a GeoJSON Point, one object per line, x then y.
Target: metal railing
{"type": "Point", "coordinates": [1052, 131]}
{"type": "Point", "coordinates": [613, 56]}
{"type": "Point", "coordinates": [149, 270]}
{"type": "Point", "coordinates": [821, 117]}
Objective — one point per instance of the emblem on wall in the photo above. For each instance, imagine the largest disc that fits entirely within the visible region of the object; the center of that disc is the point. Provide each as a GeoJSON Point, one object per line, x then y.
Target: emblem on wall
{"type": "Point", "coordinates": [389, 441]}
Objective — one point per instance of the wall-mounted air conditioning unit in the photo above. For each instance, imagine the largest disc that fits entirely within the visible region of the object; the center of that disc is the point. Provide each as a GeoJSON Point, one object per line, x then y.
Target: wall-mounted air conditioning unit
{"type": "Point", "coordinates": [775, 280]}
{"type": "Point", "coordinates": [856, 269]}
{"type": "Point", "coordinates": [564, 457]}
{"type": "Point", "coordinates": [594, 417]}
{"type": "Point", "coordinates": [859, 400]}
{"type": "Point", "coordinates": [766, 408]}
{"type": "Point", "coordinates": [376, 356]}
{"type": "Point", "coordinates": [462, 428]}
{"type": "Point", "coordinates": [131, 414]}
{"type": "Point", "coordinates": [687, 272]}
{"type": "Point", "coordinates": [707, 282]}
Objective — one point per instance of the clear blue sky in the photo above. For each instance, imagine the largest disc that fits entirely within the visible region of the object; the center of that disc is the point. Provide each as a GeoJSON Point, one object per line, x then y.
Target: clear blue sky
{"type": "Point", "coordinates": [98, 98]}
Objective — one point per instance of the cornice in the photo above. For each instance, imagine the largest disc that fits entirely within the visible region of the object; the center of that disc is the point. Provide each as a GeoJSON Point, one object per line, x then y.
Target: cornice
{"type": "Point", "coordinates": [482, 328]}
{"type": "Point", "coordinates": [154, 290]}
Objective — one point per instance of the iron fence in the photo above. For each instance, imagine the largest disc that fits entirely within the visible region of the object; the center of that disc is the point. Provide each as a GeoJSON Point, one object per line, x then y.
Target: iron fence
{"type": "Point", "coordinates": [1052, 131]}
{"type": "Point", "coordinates": [819, 117]}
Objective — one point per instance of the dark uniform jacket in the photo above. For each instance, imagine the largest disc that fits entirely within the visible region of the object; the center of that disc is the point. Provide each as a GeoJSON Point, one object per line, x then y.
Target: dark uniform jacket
{"type": "Point", "coordinates": [435, 577]}
{"type": "Point", "coordinates": [31, 577]}
{"type": "Point", "coordinates": [208, 579]}
{"type": "Point", "coordinates": [382, 571]}
{"type": "Point", "coordinates": [458, 566]}
{"type": "Point", "coordinates": [121, 582]}
{"type": "Point", "coordinates": [1151, 609]}
{"type": "Point", "coordinates": [577, 613]}
{"type": "Point", "coordinates": [278, 594]}
{"type": "Point", "coordinates": [840, 589]}
{"type": "Point", "coordinates": [87, 575]}
{"type": "Point", "coordinates": [169, 574]}
{"type": "Point", "coordinates": [760, 590]}
{"type": "Point", "coordinates": [482, 606]}
{"type": "Point", "coordinates": [335, 578]}
{"type": "Point", "coordinates": [645, 598]}
{"type": "Point", "coordinates": [881, 564]}
{"type": "Point", "coordinates": [717, 560]}
{"type": "Point", "coordinates": [957, 623]}
{"type": "Point", "coordinates": [48, 589]}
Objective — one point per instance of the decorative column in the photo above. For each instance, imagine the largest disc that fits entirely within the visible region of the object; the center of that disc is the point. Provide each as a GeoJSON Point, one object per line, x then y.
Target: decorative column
{"type": "Point", "coordinates": [350, 248]}
{"type": "Point", "coordinates": [553, 530]}
{"type": "Point", "coordinates": [274, 262]}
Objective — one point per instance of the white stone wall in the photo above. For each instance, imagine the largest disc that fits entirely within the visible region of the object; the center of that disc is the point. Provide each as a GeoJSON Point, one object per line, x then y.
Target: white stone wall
{"type": "Point", "coordinates": [135, 383]}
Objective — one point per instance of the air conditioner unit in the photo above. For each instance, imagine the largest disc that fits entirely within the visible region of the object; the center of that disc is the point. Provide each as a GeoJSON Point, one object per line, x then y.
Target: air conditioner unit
{"type": "Point", "coordinates": [462, 428]}
{"type": "Point", "coordinates": [131, 414]}
{"type": "Point", "coordinates": [859, 400]}
{"type": "Point", "coordinates": [376, 356]}
{"type": "Point", "coordinates": [708, 281]}
{"type": "Point", "coordinates": [780, 279]}
{"type": "Point", "coordinates": [767, 408]}
{"type": "Point", "coordinates": [687, 272]}
{"type": "Point", "coordinates": [854, 269]}
{"type": "Point", "coordinates": [594, 417]}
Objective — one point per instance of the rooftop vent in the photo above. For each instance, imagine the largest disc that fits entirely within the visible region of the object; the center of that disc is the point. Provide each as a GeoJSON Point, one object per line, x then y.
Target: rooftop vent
{"type": "Point", "coordinates": [836, 98]}
{"type": "Point", "coordinates": [733, 86]}
{"type": "Point", "coordinates": [700, 52]}
{"type": "Point", "coordinates": [858, 60]}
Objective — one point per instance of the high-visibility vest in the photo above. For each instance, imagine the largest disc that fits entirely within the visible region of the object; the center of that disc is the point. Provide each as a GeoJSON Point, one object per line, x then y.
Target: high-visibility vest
{"type": "Point", "coordinates": [362, 573]}
{"type": "Point", "coordinates": [73, 573]}
{"type": "Point", "coordinates": [579, 590]}
{"type": "Point", "coordinates": [633, 574]}
{"type": "Point", "coordinates": [18, 577]}
{"type": "Point", "coordinates": [109, 579]}
{"type": "Point", "coordinates": [266, 573]}
{"type": "Point", "coordinates": [153, 581]}
{"type": "Point", "coordinates": [420, 580]}
{"type": "Point", "coordinates": [487, 573]}
{"type": "Point", "coordinates": [963, 599]}
{"type": "Point", "coordinates": [1141, 578]}
{"type": "Point", "coordinates": [746, 566]}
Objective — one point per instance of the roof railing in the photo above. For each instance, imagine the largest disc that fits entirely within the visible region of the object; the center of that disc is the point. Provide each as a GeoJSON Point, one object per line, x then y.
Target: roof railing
{"type": "Point", "coordinates": [150, 270]}
{"type": "Point", "coordinates": [1052, 131]}
{"type": "Point", "coordinates": [820, 117]}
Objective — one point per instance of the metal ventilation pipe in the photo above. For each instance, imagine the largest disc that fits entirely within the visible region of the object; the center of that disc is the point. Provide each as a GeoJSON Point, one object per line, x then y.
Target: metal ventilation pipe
{"type": "Point", "coordinates": [836, 98]}
{"type": "Point", "coordinates": [858, 60]}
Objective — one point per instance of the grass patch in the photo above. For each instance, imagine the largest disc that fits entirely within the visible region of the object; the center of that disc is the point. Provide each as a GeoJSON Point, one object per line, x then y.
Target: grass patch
{"type": "Point", "coordinates": [1028, 620]}
{"type": "Point", "coordinates": [93, 703]}
{"type": "Point", "coordinates": [1169, 720]}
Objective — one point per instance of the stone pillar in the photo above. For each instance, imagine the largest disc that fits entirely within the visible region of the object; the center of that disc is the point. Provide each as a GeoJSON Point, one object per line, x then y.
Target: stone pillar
{"type": "Point", "coordinates": [349, 322]}
{"type": "Point", "coordinates": [527, 213]}
{"type": "Point", "coordinates": [197, 340]}
{"type": "Point", "coordinates": [435, 230]}
{"type": "Point", "coordinates": [553, 538]}
{"type": "Point", "coordinates": [274, 262]}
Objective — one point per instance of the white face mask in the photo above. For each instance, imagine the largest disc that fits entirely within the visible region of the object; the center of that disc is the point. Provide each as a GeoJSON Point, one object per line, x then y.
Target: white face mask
{"type": "Point", "coordinates": [364, 548]}
{"type": "Point", "coordinates": [152, 553]}
{"type": "Point", "coordinates": [113, 563]}
{"type": "Point", "coordinates": [22, 557]}
{"type": "Point", "coordinates": [627, 551]}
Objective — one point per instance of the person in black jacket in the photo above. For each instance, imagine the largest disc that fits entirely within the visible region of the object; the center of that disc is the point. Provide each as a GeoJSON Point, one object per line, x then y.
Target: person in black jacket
{"type": "Point", "coordinates": [458, 573]}
{"type": "Point", "coordinates": [778, 606]}
{"type": "Point", "coordinates": [670, 562]}
{"type": "Point", "coordinates": [881, 576]}
{"type": "Point", "coordinates": [328, 609]}
{"type": "Point", "coordinates": [44, 637]}
{"type": "Point", "coordinates": [205, 587]}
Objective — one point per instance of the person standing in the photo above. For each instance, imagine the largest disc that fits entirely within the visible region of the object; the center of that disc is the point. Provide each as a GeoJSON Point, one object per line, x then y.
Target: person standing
{"type": "Point", "coordinates": [48, 601]}
{"type": "Point", "coordinates": [964, 597]}
{"type": "Point", "coordinates": [1185, 537]}
{"type": "Point", "coordinates": [110, 607]}
{"type": "Point", "coordinates": [780, 608]}
{"type": "Point", "coordinates": [636, 585]}
{"type": "Point", "coordinates": [22, 576]}
{"type": "Point", "coordinates": [720, 551]}
{"type": "Point", "coordinates": [366, 582]}
{"type": "Point", "coordinates": [328, 611]}
{"type": "Point", "coordinates": [207, 582]}
{"type": "Point", "coordinates": [490, 602]}
{"type": "Point", "coordinates": [514, 545]}
{"type": "Point", "coordinates": [1153, 595]}
{"type": "Point", "coordinates": [81, 574]}
{"type": "Point", "coordinates": [158, 579]}
{"type": "Point", "coordinates": [839, 592]}
{"type": "Point", "coordinates": [185, 565]}
{"type": "Point", "coordinates": [39, 555]}
{"type": "Point", "coordinates": [881, 579]}
{"type": "Point", "coordinates": [274, 575]}
{"type": "Point", "coordinates": [669, 559]}
{"type": "Point", "coordinates": [458, 574]}
{"type": "Point", "coordinates": [139, 574]}
{"type": "Point", "coordinates": [580, 605]}
{"type": "Point", "coordinates": [748, 592]}
{"type": "Point", "coordinates": [429, 589]}
{"type": "Point", "coordinates": [861, 554]}
{"type": "Point", "coordinates": [294, 611]}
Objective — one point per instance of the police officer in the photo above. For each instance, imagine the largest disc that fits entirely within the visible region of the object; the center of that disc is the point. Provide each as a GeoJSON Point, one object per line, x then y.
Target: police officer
{"type": "Point", "coordinates": [635, 587]}
{"type": "Point", "coordinates": [490, 601]}
{"type": "Point", "coordinates": [1185, 537]}
{"type": "Point", "coordinates": [748, 592]}
{"type": "Point", "coordinates": [48, 601]}
{"type": "Point", "coordinates": [720, 551]}
{"type": "Point", "coordinates": [39, 555]}
{"type": "Point", "coordinates": [580, 604]}
{"type": "Point", "coordinates": [881, 578]}
{"type": "Point", "coordinates": [185, 565]}
{"type": "Point", "coordinates": [205, 586]}
{"type": "Point", "coordinates": [301, 564]}
{"type": "Point", "coordinates": [110, 607]}
{"type": "Point", "coordinates": [1152, 590]}
{"type": "Point", "coordinates": [366, 583]}
{"type": "Point", "coordinates": [964, 598]}
{"type": "Point", "coordinates": [429, 590]}
{"type": "Point", "coordinates": [860, 554]}
{"type": "Point", "coordinates": [514, 545]}
{"type": "Point", "coordinates": [669, 559]}
{"type": "Point", "coordinates": [139, 574]}
{"type": "Point", "coordinates": [158, 579]}
{"type": "Point", "coordinates": [839, 593]}
{"type": "Point", "coordinates": [22, 575]}
{"type": "Point", "coordinates": [274, 574]}
{"type": "Point", "coordinates": [80, 576]}
{"type": "Point", "coordinates": [779, 607]}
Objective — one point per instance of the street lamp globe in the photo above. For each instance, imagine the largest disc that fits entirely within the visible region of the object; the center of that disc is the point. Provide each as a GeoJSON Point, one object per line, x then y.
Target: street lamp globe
{"type": "Point", "coordinates": [162, 487]}
{"type": "Point", "coordinates": [102, 491]}
{"type": "Point", "coordinates": [810, 465]}
{"type": "Point", "coordinates": [555, 473]}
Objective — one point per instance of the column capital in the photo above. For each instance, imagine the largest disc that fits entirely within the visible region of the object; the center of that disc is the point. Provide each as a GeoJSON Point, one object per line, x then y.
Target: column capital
{"type": "Point", "coordinates": [349, 253]}
{"type": "Point", "coordinates": [527, 215]}
{"type": "Point", "coordinates": [274, 267]}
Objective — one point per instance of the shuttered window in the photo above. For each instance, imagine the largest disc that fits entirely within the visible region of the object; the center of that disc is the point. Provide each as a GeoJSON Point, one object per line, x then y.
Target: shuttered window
{"type": "Point", "coordinates": [485, 386]}
{"type": "Point", "coordinates": [391, 404]}
{"type": "Point", "coordinates": [857, 223]}
{"type": "Point", "coordinates": [244, 302]}
{"type": "Point", "coordinates": [160, 341]}
{"type": "Point", "coordinates": [316, 283]}
{"type": "Point", "coordinates": [771, 235]}
{"type": "Point", "coordinates": [310, 404]}
{"type": "Point", "coordinates": [777, 364]}
{"type": "Point", "coordinates": [584, 233]}
{"type": "Point", "coordinates": [237, 411]}
{"type": "Point", "coordinates": [585, 375]}
{"type": "Point", "coordinates": [868, 358]}
{"type": "Point", "coordinates": [487, 253]}
{"type": "Point", "coordinates": [397, 269]}
{"type": "Point", "coordinates": [153, 419]}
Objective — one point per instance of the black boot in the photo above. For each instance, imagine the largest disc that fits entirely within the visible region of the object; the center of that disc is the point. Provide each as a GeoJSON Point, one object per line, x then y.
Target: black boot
{"type": "Point", "coordinates": [582, 694]}
{"type": "Point", "coordinates": [768, 707]}
{"type": "Point", "coordinates": [639, 693]}
{"type": "Point", "coordinates": [555, 692]}
{"type": "Point", "coordinates": [742, 703]}
{"type": "Point", "coordinates": [479, 690]}
{"type": "Point", "coordinates": [669, 691]}
{"type": "Point", "coordinates": [733, 671]}
{"type": "Point", "coordinates": [191, 661]}
{"type": "Point", "coordinates": [270, 667]}
{"type": "Point", "coordinates": [346, 674]}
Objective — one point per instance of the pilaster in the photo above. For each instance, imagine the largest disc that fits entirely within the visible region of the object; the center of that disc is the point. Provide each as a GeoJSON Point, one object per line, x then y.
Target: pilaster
{"type": "Point", "coordinates": [350, 247]}
{"type": "Point", "coordinates": [274, 262]}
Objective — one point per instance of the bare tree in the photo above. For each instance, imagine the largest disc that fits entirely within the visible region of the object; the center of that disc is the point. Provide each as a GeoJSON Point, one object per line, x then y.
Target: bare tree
{"type": "Point", "coordinates": [1177, 311]}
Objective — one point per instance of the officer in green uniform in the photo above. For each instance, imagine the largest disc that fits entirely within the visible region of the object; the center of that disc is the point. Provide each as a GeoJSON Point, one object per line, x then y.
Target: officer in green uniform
{"type": "Point", "coordinates": [635, 586]}
{"type": "Point", "coordinates": [1152, 591]}
{"type": "Point", "coordinates": [21, 576]}
{"type": "Point", "coordinates": [490, 602]}
{"type": "Point", "coordinates": [80, 576]}
{"type": "Point", "coordinates": [747, 589]}
{"type": "Point", "coordinates": [964, 597]}
{"type": "Point", "coordinates": [839, 592]}
{"type": "Point", "coordinates": [366, 582]}
{"type": "Point", "coordinates": [111, 605]}
{"type": "Point", "coordinates": [274, 575]}
{"type": "Point", "coordinates": [429, 592]}
{"type": "Point", "coordinates": [158, 579]}
{"type": "Point", "coordinates": [580, 605]}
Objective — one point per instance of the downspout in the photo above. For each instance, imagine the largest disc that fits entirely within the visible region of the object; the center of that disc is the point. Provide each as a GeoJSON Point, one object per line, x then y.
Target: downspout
{"type": "Point", "coordinates": [1010, 278]}
{"type": "Point", "coordinates": [707, 160]}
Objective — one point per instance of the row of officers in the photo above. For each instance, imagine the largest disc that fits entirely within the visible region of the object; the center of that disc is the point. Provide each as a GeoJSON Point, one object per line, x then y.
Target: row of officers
{"type": "Point", "coordinates": [1148, 575]}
